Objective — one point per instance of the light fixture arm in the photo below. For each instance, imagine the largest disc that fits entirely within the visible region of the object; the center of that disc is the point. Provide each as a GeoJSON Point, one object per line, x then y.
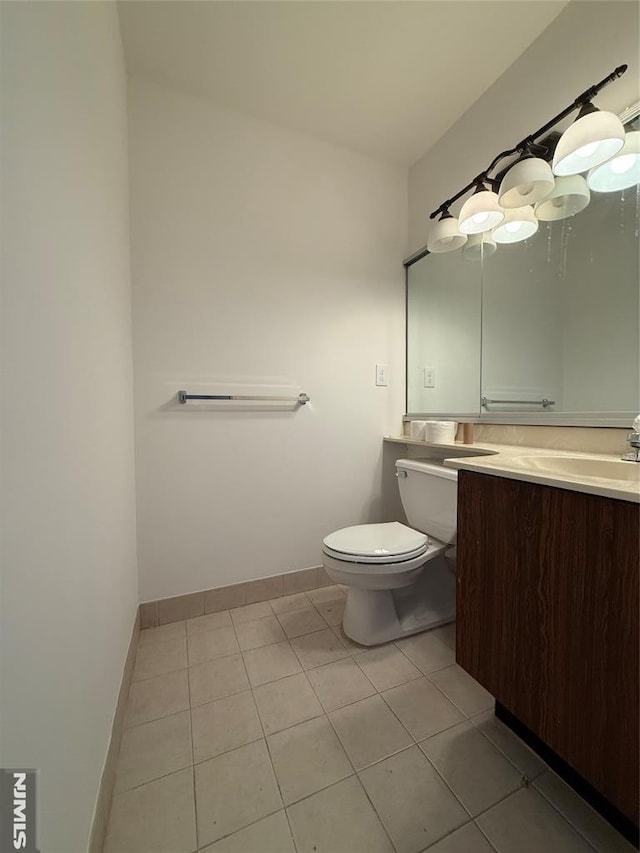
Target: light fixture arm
{"type": "Point", "coordinates": [528, 141]}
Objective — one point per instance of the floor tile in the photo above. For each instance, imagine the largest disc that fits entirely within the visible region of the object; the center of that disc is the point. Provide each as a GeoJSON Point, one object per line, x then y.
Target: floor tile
{"type": "Point", "coordinates": [467, 839]}
{"type": "Point", "coordinates": [209, 644]}
{"type": "Point", "coordinates": [340, 683]}
{"type": "Point", "coordinates": [299, 601]}
{"type": "Point", "coordinates": [351, 646]}
{"type": "Point", "coordinates": [157, 697]}
{"type": "Point", "coordinates": [581, 816]}
{"type": "Point", "coordinates": [387, 667]}
{"type": "Point", "coordinates": [330, 602]}
{"type": "Point", "coordinates": [158, 817]}
{"type": "Point", "coordinates": [155, 657]}
{"type": "Point", "coordinates": [306, 758]}
{"type": "Point", "coordinates": [319, 648]}
{"type": "Point", "coordinates": [421, 708]}
{"type": "Point", "coordinates": [526, 823]}
{"type": "Point", "coordinates": [353, 826]}
{"type": "Point", "coordinates": [427, 652]}
{"type": "Point", "coordinates": [509, 744]}
{"type": "Point", "coordinates": [251, 612]}
{"type": "Point", "coordinates": [163, 634]}
{"type": "Point", "coordinates": [269, 835]}
{"type": "Point", "coordinates": [224, 724]}
{"type": "Point", "coordinates": [296, 623]}
{"type": "Point", "coordinates": [270, 663]}
{"type": "Point", "coordinates": [473, 768]}
{"type": "Point", "coordinates": [463, 690]}
{"type": "Point", "coordinates": [234, 790]}
{"type": "Point", "coordinates": [217, 678]}
{"type": "Point", "coordinates": [412, 801]}
{"type": "Point", "coordinates": [369, 731]}
{"type": "Point", "coordinates": [446, 634]}
{"type": "Point", "coordinates": [285, 702]}
{"type": "Point", "coordinates": [154, 749]}
{"type": "Point", "coordinates": [325, 594]}
{"type": "Point", "coordinates": [260, 632]}
{"type": "Point", "coordinates": [210, 622]}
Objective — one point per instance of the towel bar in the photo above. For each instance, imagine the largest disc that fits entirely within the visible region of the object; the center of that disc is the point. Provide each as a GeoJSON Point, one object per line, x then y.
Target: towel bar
{"type": "Point", "coordinates": [301, 399]}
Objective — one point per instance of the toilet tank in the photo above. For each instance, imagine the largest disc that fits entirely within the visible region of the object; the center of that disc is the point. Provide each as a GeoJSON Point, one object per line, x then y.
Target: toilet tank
{"type": "Point", "coordinates": [429, 494]}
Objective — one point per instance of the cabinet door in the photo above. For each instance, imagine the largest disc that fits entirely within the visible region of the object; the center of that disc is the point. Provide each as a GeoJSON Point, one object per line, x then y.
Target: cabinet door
{"type": "Point", "coordinates": [547, 619]}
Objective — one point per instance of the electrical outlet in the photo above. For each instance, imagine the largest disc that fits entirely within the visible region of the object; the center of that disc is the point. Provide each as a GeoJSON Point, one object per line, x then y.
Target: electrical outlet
{"type": "Point", "coordinates": [382, 374]}
{"type": "Point", "coordinates": [429, 374]}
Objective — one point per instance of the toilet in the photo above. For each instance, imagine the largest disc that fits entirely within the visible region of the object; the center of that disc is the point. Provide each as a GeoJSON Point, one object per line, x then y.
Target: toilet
{"type": "Point", "coordinates": [401, 579]}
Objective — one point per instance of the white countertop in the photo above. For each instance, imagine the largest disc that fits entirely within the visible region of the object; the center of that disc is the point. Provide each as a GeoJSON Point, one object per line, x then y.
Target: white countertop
{"type": "Point", "coordinates": [501, 460]}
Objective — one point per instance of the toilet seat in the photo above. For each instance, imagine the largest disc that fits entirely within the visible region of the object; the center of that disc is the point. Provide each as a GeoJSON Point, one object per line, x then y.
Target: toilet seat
{"type": "Point", "coordinates": [378, 544]}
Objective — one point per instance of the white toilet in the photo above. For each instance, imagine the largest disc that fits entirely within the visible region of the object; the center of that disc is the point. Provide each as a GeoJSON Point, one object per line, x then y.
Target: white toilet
{"type": "Point", "coordinates": [401, 579]}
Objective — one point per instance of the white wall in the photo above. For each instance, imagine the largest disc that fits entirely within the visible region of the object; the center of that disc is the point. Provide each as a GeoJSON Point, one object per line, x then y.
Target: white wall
{"type": "Point", "coordinates": [582, 45]}
{"type": "Point", "coordinates": [262, 261]}
{"type": "Point", "coordinates": [68, 509]}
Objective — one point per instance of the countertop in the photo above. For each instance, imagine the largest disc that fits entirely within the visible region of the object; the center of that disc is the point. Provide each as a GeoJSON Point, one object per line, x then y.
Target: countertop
{"type": "Point", "coordinates": [499, 460]}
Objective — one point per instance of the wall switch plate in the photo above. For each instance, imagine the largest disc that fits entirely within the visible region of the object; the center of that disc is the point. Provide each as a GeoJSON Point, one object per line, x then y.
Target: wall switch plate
{"type": "Point", "coordinates": [429, 375]}
{"type": "Point", "coordinates": [382, 371]}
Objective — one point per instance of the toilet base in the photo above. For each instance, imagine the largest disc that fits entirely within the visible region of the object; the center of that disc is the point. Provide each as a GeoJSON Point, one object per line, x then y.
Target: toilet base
{"type": "Point", "coordinates": [374, 616]}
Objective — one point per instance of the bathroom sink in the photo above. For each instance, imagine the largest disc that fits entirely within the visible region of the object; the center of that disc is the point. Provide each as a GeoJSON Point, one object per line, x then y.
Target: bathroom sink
{"type": "Point", "coordinates": [580, 466]}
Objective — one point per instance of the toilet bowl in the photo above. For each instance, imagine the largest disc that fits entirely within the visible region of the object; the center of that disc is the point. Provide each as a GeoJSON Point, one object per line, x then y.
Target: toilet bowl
{"type": "Point", "coordinates": [400, 579]}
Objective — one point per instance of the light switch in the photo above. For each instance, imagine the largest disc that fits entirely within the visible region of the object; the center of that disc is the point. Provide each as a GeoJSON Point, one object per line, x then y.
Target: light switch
{"type": "Point", "coordinates": [382, 371]}
{"type": "Point", "coordinates": [429, 377]}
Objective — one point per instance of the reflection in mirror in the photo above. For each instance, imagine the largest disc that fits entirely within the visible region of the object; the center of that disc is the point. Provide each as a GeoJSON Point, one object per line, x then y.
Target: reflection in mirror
{"type": "Point", "coordinates": [561, 310]}
{"type": "Point", "coordinates": [443, 335]}
{"type": "Point", "coordinates": [553, 318]}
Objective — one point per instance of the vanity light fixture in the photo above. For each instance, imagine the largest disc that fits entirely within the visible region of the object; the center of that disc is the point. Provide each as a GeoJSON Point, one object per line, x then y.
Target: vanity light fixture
{"type": "Point", "coordinates": [519, 224]}
{"type": "Point", "coordinates": [479, 246]}
{"type": "Point", "coordinates": [595, 136]}
{"type": "Point", "coordinates": [445, 236]}
{"type": "Point", "coordinates": [569, 196]}
{"type": "Point", "coordinates": [481, 212]}
{"type": "Point", "coordinates": [526, 182]}
{"type": "Point", "coordinates": [622, 171]}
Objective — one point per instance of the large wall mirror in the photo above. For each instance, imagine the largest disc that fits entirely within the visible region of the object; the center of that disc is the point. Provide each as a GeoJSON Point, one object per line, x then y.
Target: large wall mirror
{"type": "Point", "coordinates": [544, 330]}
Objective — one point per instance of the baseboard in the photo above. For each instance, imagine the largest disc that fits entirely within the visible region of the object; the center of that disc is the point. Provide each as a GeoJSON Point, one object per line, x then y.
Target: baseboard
{"type": "Point", "coordinates": [166, 610]}
{"type": "Point", "coordinates": [105, 791]}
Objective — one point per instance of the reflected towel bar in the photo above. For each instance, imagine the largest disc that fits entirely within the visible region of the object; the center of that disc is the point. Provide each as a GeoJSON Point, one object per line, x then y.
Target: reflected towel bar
{"type": "Point", "coordinates": [301, 399]}
{"type": "Point", "coordinates": [485, 401]}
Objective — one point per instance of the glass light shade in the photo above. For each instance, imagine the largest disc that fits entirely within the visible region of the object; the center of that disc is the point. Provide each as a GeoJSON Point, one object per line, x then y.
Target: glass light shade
{"type": "Point", "coordinates": [480, 213]}
{"type": "Point", "coordinates": [591, 139]}
{"type": "Point", "coordinates": [622, 171]}
{"type": "Point", "coordinates": [444, 236]}
{"type": "Point", "coordinates": [518, 224]}
{"type": "Point", "coordinates": [569, 196]}
{"type": "Point", "coordinates": [479, 245]}
{"type": "Point", "coordinates": [526, 182]}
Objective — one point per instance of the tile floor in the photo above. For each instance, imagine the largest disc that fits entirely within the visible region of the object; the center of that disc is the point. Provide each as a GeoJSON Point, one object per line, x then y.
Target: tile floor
{"type": "Point", "coordinates": [264, 730]}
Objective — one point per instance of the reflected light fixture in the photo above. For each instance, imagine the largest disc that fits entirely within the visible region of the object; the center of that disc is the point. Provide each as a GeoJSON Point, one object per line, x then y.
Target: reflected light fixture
{"type": "Point", "coordinates": [622, 171]}
{"type": "Point", "coordinates": [445, 236]}
{"type": "Point", "coordinates": [595, 136]}
{"type": "Point", "coordinates": [519, 224]}
{"type": "Point", "coordinates": [479, 246]}
{"type": "Point", "coordinates": [480, 212]}
{"type": "Point", "coordinates": [569, 196]}
{"type": "Point", "coordinates": [526, 182]}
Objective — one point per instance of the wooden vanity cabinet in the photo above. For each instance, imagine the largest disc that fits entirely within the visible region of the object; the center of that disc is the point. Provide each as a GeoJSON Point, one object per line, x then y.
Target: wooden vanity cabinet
{"type": "Point", "coordinates": [547, 620]}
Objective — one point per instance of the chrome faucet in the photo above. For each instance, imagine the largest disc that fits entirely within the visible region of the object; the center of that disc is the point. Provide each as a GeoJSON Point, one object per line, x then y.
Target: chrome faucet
{"type": "Point", "coordinates": [633, 454]}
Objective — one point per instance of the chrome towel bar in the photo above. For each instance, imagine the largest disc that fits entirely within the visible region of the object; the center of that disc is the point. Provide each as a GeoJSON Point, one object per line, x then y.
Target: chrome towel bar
{"type": "Point", "coordinates": [485, 401]}
{"type": "Point", "coordinates": [301, 399]}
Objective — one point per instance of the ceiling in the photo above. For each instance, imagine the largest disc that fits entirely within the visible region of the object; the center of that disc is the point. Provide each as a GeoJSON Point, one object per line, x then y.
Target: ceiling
{"type": "Point", "coordinates": [386, 78]}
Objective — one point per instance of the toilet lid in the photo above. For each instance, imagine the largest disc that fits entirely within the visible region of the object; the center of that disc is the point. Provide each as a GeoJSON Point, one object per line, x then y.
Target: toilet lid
{"type": "Point", "coordinates": [377, 542]}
